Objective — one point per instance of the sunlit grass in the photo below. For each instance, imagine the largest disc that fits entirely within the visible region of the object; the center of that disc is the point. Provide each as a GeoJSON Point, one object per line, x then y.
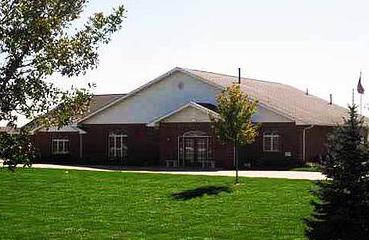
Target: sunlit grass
{"type": "Point", "coordinates": [59, 204]}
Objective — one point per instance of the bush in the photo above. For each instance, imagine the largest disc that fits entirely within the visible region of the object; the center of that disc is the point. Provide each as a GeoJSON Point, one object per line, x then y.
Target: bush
{"type": "Point", "coordinates": [16, 149]}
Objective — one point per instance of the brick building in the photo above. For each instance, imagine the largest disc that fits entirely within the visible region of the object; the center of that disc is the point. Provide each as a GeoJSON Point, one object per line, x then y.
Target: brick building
{"type": "Point", "coordinates": [166, 123]}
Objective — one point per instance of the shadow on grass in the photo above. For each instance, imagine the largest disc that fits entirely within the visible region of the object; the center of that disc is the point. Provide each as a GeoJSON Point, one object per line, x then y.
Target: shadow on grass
{"type": "Point", "coordinates": [200, 191]}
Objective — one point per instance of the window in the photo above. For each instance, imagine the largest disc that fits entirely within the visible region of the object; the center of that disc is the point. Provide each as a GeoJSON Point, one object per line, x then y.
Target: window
{"type": "Point", "coordinates": [118, 149]}
{"type": "Point", "coordinates": [189, 149]}
{"type": "Point", "coordinates": [60, 146]}
{"type": "Point", "coordinates": [271, 142]}
{"type": "Point", "coordinates": [202, 149]}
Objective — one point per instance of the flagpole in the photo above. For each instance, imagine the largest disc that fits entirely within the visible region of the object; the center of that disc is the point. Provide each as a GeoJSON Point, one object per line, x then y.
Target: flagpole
{"type": "Point", "coordinates": [353, 97]}
{"type": "Point", "coordinates": [361, 96]}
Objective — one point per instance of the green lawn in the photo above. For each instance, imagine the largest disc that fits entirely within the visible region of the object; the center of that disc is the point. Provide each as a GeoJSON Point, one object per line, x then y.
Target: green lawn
{"type": "Point", "coordinates": [57, 204]}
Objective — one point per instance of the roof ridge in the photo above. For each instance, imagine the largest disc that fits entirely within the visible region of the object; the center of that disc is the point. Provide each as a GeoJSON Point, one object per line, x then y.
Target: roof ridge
{"type": "Point", "coordinates": [228, 75]}
{"type": "Point", "coordinates": [109, 94]}
{"type": "Point", "coordinates": [267, 81]}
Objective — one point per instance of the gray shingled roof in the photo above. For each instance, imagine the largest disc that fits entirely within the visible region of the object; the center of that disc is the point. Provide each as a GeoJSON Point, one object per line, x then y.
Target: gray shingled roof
{"type": "Point", "coordinates": [287, 100]}
{"type": "Point", "coordinates": [281, 98]}
{"type": "Point", "coordinates": [97, 102]}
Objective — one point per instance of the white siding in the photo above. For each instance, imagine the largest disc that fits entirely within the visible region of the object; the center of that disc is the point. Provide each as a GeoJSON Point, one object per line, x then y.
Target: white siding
{"type": "Point", "coordinates": [157, 100]}
{"type": "Point", "coordinates": [189, 114]}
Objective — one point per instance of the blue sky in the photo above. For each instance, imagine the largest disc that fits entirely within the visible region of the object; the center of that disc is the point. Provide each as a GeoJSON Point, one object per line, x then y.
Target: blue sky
{"type": "Point", "coordinates": [320, 45]}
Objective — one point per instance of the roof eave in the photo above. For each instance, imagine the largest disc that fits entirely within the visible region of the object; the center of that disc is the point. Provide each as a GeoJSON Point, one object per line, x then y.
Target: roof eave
{"type": "Point", "coordinates": [154, 122]}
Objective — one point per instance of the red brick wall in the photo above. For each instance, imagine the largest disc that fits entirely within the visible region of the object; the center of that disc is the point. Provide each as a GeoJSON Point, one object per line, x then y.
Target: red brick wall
{"type": "Point", "coordinates": [142, 143]}
{"type": "Point", "coordinates": [290, 141]}
{"type": "Point", "coordinates": [317, 142]}
{"type": "Point", "coordinates": [152, 146]}
{"type": "Point", "coordinates": [43, 143]}
{"type": "Point", "coordinates": [168, 135]}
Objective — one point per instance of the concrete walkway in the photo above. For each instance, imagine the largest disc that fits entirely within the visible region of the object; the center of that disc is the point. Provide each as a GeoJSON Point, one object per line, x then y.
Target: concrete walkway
{"type": "Point", "coordinates": [242, 173]}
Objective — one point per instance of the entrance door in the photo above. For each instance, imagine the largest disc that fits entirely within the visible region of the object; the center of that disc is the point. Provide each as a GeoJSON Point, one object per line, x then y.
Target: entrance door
{"type": "Point", "coordinates": [202, 150]}
{"type": "Point", "coordinates": [189, 151]}
{"type": "Point", "coordinates": [194, 151]}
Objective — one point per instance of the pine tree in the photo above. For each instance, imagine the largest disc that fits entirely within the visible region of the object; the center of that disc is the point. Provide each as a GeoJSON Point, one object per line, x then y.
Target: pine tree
{"type": "Point", "coordinates": [342, 208]}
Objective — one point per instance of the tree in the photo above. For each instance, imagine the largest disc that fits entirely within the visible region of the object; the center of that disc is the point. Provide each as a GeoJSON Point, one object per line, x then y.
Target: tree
{"type": "Point", "coordinates": [342, 208]}
{"type": "Point", "coordinates": [234, 125]}
{"type": "Point", "coordinates": [37, 40]}
{"type": "Point", "coordinates": [16, 148]}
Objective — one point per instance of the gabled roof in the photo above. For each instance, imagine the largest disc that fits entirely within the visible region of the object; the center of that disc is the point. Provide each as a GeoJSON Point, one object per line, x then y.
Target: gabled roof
{"type": "Point", "coordinates": [10, 130]}
{"type": "Point", "coordinates": [97, 102]}
{"type": "Point", "coordinates": [204, 107]}
{"type": "Point", "coordinates": [209, 106]}
{"type": "Point", "coordinates": [137, 90]}
{"type": "Point", "coordinates": [279, 98]}
{"type": "Point", "coordinates": [284, 99]}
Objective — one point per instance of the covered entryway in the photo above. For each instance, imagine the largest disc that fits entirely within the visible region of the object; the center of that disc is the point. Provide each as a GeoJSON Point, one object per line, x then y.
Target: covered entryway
{"type": "Point", "coordinates": [195, 150]}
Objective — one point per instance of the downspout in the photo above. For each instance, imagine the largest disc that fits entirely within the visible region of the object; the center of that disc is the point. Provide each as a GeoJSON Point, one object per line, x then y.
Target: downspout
{"type": "Point", "coordinates": [304, 142]}
{"type": "Point", "coordinates": [80, 146]}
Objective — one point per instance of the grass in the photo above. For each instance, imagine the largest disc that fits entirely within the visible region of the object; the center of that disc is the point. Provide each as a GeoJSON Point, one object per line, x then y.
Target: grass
{"type": "Point", "coordinates": [57, 204]}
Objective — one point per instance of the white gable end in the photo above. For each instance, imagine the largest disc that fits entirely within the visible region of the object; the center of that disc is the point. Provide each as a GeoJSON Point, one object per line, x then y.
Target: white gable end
{"type": "Point", "coordinates": [264, 115]}
{"type": "Point", "coordinates": [189, 114]}
{"type": "Point", "coordinates": [192, 114]}
{"type": "Point", "coordinates": [157, 100]}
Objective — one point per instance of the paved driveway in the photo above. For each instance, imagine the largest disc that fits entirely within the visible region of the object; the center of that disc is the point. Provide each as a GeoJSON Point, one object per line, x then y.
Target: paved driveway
{"type": "Point", "coordinates": [243, 173]}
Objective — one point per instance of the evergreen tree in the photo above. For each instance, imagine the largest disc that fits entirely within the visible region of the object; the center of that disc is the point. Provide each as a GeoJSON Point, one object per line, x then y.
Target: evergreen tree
{"type": "Point", "coordinates": [342, 209]}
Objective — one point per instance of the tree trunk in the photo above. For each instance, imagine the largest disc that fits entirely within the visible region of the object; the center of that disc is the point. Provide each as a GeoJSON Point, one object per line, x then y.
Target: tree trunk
{"type": "Point", "coordinates": [235, 156]}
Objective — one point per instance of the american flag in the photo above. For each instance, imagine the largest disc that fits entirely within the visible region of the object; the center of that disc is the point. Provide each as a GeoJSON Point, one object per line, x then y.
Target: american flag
{"type": "Point", "coordinates": [360, 88]}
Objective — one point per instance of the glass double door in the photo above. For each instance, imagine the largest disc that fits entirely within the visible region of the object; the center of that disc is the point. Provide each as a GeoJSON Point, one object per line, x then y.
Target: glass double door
{"type": "Point", "coordinates": [196, 150]}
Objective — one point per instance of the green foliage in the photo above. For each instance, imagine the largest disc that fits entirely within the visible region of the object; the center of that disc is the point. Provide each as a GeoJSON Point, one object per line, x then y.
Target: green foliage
{"type": "Point", "coordinates": [342, 211]}
{"type": "Point", "coordinates": [37, 40]}
{"type": "Point", "coordinates": [235, 110]}
{"type": "Point", "coordinates": [72, 105]}
{"type": "Point", "coordinates": [16, 149]}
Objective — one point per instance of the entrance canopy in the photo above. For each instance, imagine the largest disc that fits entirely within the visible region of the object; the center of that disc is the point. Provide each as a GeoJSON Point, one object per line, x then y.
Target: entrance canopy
{"type": "Point", "coordinates": [191, 112]}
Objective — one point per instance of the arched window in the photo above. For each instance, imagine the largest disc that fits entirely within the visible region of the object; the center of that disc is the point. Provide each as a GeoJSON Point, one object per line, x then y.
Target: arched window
{"type": "Point", "coordinates": [271, 142]}
{"type": "Point", "coordinates": [117, 146]}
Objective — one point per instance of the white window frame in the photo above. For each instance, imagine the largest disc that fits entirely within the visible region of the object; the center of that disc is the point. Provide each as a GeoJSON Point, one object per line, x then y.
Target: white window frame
{"type": "Point", "coordinates": [274, 141]}
{"type": "Point", "coordinates": [60, 142]}
{"type": "Point", "coordinates": [122, 148]}
{"type": "Point", "coordinates": [207, 158]}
